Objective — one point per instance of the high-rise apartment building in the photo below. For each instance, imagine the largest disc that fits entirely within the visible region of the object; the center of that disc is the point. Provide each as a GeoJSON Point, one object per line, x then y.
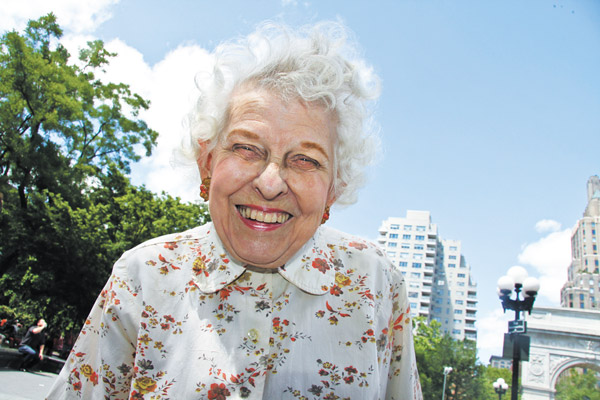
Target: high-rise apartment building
{"type": "Point", "coordinates": [438, 278]}
{"type": "Point", "coordinates": [582, 289]}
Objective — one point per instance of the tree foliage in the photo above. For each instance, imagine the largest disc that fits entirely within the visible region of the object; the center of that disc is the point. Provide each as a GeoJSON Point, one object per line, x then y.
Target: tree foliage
{"type": "Point", "coordinates": [578, 385]}
{"type": "Point", "coordinates": [434, 351]}
{"type": "Point", "coordinates": [68, 209]}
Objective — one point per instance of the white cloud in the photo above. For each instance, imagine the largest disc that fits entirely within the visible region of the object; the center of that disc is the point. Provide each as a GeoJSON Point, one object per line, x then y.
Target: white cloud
{"type": "Point", "coordinates": [550, 257]}
{"type": "Point", "coordinates": [547, 225]}
{"type": "Point", "coordinates": [169, 85]}
{"type": "Point", "coordinates": [72, 15]}
{"type": "Point", "coordinates": [490, 334]}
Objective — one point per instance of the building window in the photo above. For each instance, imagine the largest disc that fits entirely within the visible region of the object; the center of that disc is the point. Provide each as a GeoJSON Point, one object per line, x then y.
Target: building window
{"type": "Point", "coordinates": [393, 236]}
{"type": "Point", "coordinates": [461, 275]}
{"type": "Point", "coordinates": [416, 265]}
{"type": "Point", "coordinates": [453, 248]}
{"type": "Point", "coordinates": [451, 265]}
{"type": "Point", "coordinates": [458, 311]}
{"type": "Point", "coordinates": [452, 257]}
{"type": "Point", "coordinates": [403, 255]}
{"type": "Point", "coordinates": [392, 244]}
{"type": "Point", "coordinates": [407, 227]}
{"type": "Point", "coordinates": [415, 274]}
{"type": "Point", "coordinates": [405, 246]}
{"type": "Point", "coordinates": [419, 247]}
{"type": "Point", "coordinates": [418, 256]}
{"type": "Point", "coordinates": [456, 331]}
{"type": "Point", "coordinates": [403, 264]}
{"type": "Point", "coordinates": [406, 237]}
{"type": "Point", "coordinates": [395, 226]}
{"type": "Point", "coordinates": [391, 254]}
{"type": "Point", "coordinates": [420, 228]}
{"type": "Point", "coordinates": [413, 294]}
{"type": "Point", "coordinates": [419, 237]}
{"type": "Point", "coordinates": [459, 302]}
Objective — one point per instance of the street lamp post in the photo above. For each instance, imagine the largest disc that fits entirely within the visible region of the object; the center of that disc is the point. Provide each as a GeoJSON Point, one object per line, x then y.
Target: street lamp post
{"type": "Point", "coordinates": [516, 343]}
{"type": "Point", "coordinates": [447, 370]}
{"type": "Point", "coordinates": [500, 387]}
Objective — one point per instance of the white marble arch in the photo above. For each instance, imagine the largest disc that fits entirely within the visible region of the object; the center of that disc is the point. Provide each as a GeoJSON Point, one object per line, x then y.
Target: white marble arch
{"type": "Point", "coordinates": [561, 338]}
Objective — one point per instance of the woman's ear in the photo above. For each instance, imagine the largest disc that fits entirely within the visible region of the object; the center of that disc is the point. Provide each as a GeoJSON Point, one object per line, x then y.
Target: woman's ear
{"type": "Point", "coordinates": [204, 161]}
{"type": "Point", "coordinates": [331, 197]}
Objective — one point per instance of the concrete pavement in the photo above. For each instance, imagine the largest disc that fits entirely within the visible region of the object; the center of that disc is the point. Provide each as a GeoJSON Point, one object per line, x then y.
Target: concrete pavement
{"type": "Point", "coordinates": [17, 385]}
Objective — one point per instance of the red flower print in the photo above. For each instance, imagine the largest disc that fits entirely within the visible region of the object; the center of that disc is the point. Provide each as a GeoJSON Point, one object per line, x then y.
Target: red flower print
{"type": "Point", "coordinates": [357, 245]}
{"type": "Point", "coordinates": [335, 290]}
{"type": "Point", "coordinates": [169, 318]}
{"type": "Point", "coordinates": [320, 264]}
{"type": "Point", "coordinates": [171, 245]}
{"type": "Point", "coordinates": [218, 392]}
{"type": "Point", "coordinates": [349, 379]}
{"type": "Point", "coordinates": [370, 332]}
{"type": "Point", "coordinates": [77, 386]}
{"type": "Point", "coordinates": [351, 370]}
{"type": "Point", "coordinates": [224, 293]}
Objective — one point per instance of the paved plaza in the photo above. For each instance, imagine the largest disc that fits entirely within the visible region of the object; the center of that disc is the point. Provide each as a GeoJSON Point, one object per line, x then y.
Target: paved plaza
{"type": "Point", "coordinates": [18, 385]}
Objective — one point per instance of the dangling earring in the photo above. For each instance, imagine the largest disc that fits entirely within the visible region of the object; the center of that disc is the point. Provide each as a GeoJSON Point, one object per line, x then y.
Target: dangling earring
{"type": "Point", "coordinates": [325, 215]}
{"type": "Point", "coordinates": [205, 188]}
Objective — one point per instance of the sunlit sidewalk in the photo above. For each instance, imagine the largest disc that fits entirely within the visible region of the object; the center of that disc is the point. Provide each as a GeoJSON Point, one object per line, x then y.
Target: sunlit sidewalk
{"type": "Point", "coordinates": [18, 385]}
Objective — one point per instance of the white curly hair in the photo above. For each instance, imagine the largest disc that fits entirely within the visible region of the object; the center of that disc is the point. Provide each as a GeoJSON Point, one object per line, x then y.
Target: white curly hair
{"type": "Point", "coordinates": [315, 64]}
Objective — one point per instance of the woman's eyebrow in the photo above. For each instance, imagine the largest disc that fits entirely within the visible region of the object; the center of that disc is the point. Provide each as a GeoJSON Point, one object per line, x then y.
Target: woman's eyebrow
{"type": "Point", "coordinates": [315, 146]}
{"type": "Point", "coordinates": [244, 133]}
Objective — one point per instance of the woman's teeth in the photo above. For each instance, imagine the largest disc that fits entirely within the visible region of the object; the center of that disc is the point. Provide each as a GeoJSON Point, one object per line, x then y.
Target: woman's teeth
{"type": "Point", "coordinates": [263, 216]}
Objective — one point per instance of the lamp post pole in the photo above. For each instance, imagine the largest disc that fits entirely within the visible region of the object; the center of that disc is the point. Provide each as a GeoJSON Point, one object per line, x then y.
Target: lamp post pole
{"type": "Point", "coordinates": [516, 345]}
{"type": "Point", "coordinates": [447, 370]}
{"type": "Point", "coordinates": [500, 387]}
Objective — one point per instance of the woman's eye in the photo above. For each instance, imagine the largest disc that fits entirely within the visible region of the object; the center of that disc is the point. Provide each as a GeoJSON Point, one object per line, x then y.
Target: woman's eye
{"type": "Point", "coordinates": [246, 150]}
{"type": "Point", "coordinates": [304, 162]}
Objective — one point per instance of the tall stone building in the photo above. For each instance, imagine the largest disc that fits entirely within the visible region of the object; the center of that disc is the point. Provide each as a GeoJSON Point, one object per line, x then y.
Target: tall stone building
{"type": "Point", "coordinates": [582, 289]}
{"type": "Point", "coordinates": [438, 278]}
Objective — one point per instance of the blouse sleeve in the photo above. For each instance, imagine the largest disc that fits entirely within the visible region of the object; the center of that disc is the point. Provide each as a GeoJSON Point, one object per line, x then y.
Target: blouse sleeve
{"type": "Point", "coordinates": [403, 378]}
{"type": "Point", "coordinates": [101, 362]}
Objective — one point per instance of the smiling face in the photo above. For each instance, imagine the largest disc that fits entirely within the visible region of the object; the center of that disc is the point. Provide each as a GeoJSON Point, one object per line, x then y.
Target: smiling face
{"type": "Point", "coordinates": [271, 176]}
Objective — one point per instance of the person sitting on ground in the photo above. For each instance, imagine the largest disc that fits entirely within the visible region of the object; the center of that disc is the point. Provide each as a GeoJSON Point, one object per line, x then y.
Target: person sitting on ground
{"type": "Point", "coordinates": [32, 345]}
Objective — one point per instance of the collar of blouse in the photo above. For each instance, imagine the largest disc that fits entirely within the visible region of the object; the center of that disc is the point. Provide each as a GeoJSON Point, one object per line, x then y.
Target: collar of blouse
{"type": "Point", "coordinates": [311, 269]}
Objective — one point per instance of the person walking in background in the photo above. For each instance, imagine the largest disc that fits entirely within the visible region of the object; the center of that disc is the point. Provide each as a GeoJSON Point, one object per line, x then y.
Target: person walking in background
{"type": "Point", "coordinates": [32, 345]}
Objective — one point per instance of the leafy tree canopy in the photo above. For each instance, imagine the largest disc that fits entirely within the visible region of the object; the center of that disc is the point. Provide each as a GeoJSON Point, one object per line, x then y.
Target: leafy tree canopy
{"type": "Point", "coordinates": [579, 384]}
{"type": "Point", "coordinates": [68, 210]}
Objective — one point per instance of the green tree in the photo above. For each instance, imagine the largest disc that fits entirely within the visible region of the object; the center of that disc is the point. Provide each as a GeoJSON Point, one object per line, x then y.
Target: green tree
{"type": "Point", "coordinates": [578, 385]}
{"type": "Point", "coordinates": [435, 350]}
{"type": "Point", "coordinates": [68, 209]}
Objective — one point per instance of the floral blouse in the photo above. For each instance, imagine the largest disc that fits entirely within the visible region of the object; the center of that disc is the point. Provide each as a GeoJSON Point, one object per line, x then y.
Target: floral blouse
{"type": "Point", "coordinates": [179, 319]}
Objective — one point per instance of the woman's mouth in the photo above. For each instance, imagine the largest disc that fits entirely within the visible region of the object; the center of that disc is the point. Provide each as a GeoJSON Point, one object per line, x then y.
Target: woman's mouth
{"type": "Point", "coordinates": [266, 217]}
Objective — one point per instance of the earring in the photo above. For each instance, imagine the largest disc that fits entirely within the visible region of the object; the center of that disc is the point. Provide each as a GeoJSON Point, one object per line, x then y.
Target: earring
{"type": "Point", "coordinates": [325, 215]}
{"type": "Point", "coordinates": [205, 188]}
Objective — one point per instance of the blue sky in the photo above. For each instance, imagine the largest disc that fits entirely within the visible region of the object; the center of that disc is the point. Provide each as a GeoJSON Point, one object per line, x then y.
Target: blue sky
{"type": "Point", "coordinates": [489, 113]}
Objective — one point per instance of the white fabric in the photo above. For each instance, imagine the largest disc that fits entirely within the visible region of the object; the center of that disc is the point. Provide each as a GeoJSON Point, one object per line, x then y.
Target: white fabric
{"type": "Point", "coordinates": [178, 319]}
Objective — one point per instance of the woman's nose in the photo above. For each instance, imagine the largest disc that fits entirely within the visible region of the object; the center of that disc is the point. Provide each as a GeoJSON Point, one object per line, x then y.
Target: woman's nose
{"type": "Point", "coordinates": [270, 182]}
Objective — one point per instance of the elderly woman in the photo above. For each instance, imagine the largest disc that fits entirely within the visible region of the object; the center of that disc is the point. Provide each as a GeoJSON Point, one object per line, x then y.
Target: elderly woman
{"type": "Point", "coordinates": [264, 302]}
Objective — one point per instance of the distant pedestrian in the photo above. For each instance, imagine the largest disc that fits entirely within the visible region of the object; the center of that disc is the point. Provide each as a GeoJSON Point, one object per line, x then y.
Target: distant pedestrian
{"type": "Point", "coordinates": [32, 345]}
